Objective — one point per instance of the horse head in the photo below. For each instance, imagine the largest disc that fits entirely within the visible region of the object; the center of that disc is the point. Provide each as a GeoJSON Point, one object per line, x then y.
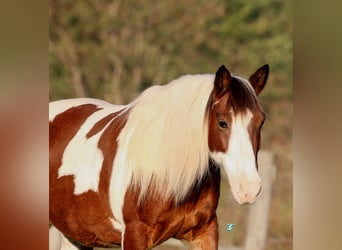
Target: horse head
{"type": "Point", "coordinates": [235, 118]}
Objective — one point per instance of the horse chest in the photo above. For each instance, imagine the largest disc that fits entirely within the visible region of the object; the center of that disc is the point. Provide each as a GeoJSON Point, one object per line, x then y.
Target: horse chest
{"type": "Point", "coordinates": [159, 220]}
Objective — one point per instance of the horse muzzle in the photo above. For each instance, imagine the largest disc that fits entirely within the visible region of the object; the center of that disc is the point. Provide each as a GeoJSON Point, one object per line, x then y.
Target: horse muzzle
{"type": "Point", "coordinates": [246, 193]}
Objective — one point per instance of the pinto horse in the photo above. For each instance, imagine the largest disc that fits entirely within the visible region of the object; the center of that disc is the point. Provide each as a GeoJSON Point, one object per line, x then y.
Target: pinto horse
{"type": "Point", "coordinates": [139, 174]}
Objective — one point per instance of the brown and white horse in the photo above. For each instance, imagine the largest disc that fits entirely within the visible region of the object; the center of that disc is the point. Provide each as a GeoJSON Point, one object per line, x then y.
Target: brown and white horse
{"type": "Point", "coordinates": [139, 174]}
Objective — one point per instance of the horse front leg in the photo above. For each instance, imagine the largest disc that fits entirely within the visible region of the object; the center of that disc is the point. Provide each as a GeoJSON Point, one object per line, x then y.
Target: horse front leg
{"type": "Point", "coordinates": [135, 237]}
{"type": "Point", "coordinates": [205, 237]}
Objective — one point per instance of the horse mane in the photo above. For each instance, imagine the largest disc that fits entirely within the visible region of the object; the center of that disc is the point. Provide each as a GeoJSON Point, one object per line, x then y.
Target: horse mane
{"type": "Point", "coordinates": [166, 137]}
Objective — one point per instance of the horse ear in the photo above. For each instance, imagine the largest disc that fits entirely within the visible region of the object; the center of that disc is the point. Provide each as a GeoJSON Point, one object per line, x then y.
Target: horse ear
{"type": "Point", "coordinates": [222, 81]}
{"type": "Point", "coordinates": [259, 78]}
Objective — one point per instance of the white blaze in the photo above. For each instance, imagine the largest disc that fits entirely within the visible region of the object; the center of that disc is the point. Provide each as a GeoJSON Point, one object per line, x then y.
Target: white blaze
{"type": "Point", "coordinates": [239, 161]}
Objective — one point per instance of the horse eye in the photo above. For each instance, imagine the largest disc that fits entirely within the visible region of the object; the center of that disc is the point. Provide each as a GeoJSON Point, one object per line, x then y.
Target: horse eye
{"type": "Point", "coordinates": [223, 124]}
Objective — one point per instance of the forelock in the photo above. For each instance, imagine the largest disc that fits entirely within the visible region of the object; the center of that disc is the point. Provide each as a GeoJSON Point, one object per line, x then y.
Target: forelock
{"type": "Point", "coordinates": [242, 96]}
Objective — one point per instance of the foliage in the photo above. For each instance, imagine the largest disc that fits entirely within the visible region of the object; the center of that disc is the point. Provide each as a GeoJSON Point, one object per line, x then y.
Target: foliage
{"type": "Point", "coordinates": [114, 49]}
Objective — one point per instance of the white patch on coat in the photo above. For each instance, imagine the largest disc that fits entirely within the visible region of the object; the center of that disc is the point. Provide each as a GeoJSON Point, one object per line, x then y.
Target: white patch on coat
{"type": "Point", "coordinates": [117, 225]}
{"type": "Point", "coordinates": [120, 179]}
{"type": "Point", "coordinates": [239, 161]}
{"type": "Point", "coordinates": [57, 241]}
{"type": "Point", "coordinates": [82, 157]}
{"type": "Point", "coordinates": [55, 238]}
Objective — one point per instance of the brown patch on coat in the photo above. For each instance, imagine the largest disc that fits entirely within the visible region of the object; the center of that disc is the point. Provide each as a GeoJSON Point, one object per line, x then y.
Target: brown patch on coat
{"type": "Point", "coordinates": [83, 218]}
{"type": "Point", "coordinates": [157, 219]}
{"type": "Point", "coordinates": [100, 125]}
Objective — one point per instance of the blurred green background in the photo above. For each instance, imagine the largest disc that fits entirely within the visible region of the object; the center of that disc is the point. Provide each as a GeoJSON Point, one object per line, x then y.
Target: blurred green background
{"type": "Point", "coordinates": [113, 50]}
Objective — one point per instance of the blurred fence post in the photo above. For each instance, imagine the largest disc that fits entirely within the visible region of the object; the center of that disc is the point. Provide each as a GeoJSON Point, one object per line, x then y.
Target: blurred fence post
{"type": "Point", "coordinates": [258, 213]}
